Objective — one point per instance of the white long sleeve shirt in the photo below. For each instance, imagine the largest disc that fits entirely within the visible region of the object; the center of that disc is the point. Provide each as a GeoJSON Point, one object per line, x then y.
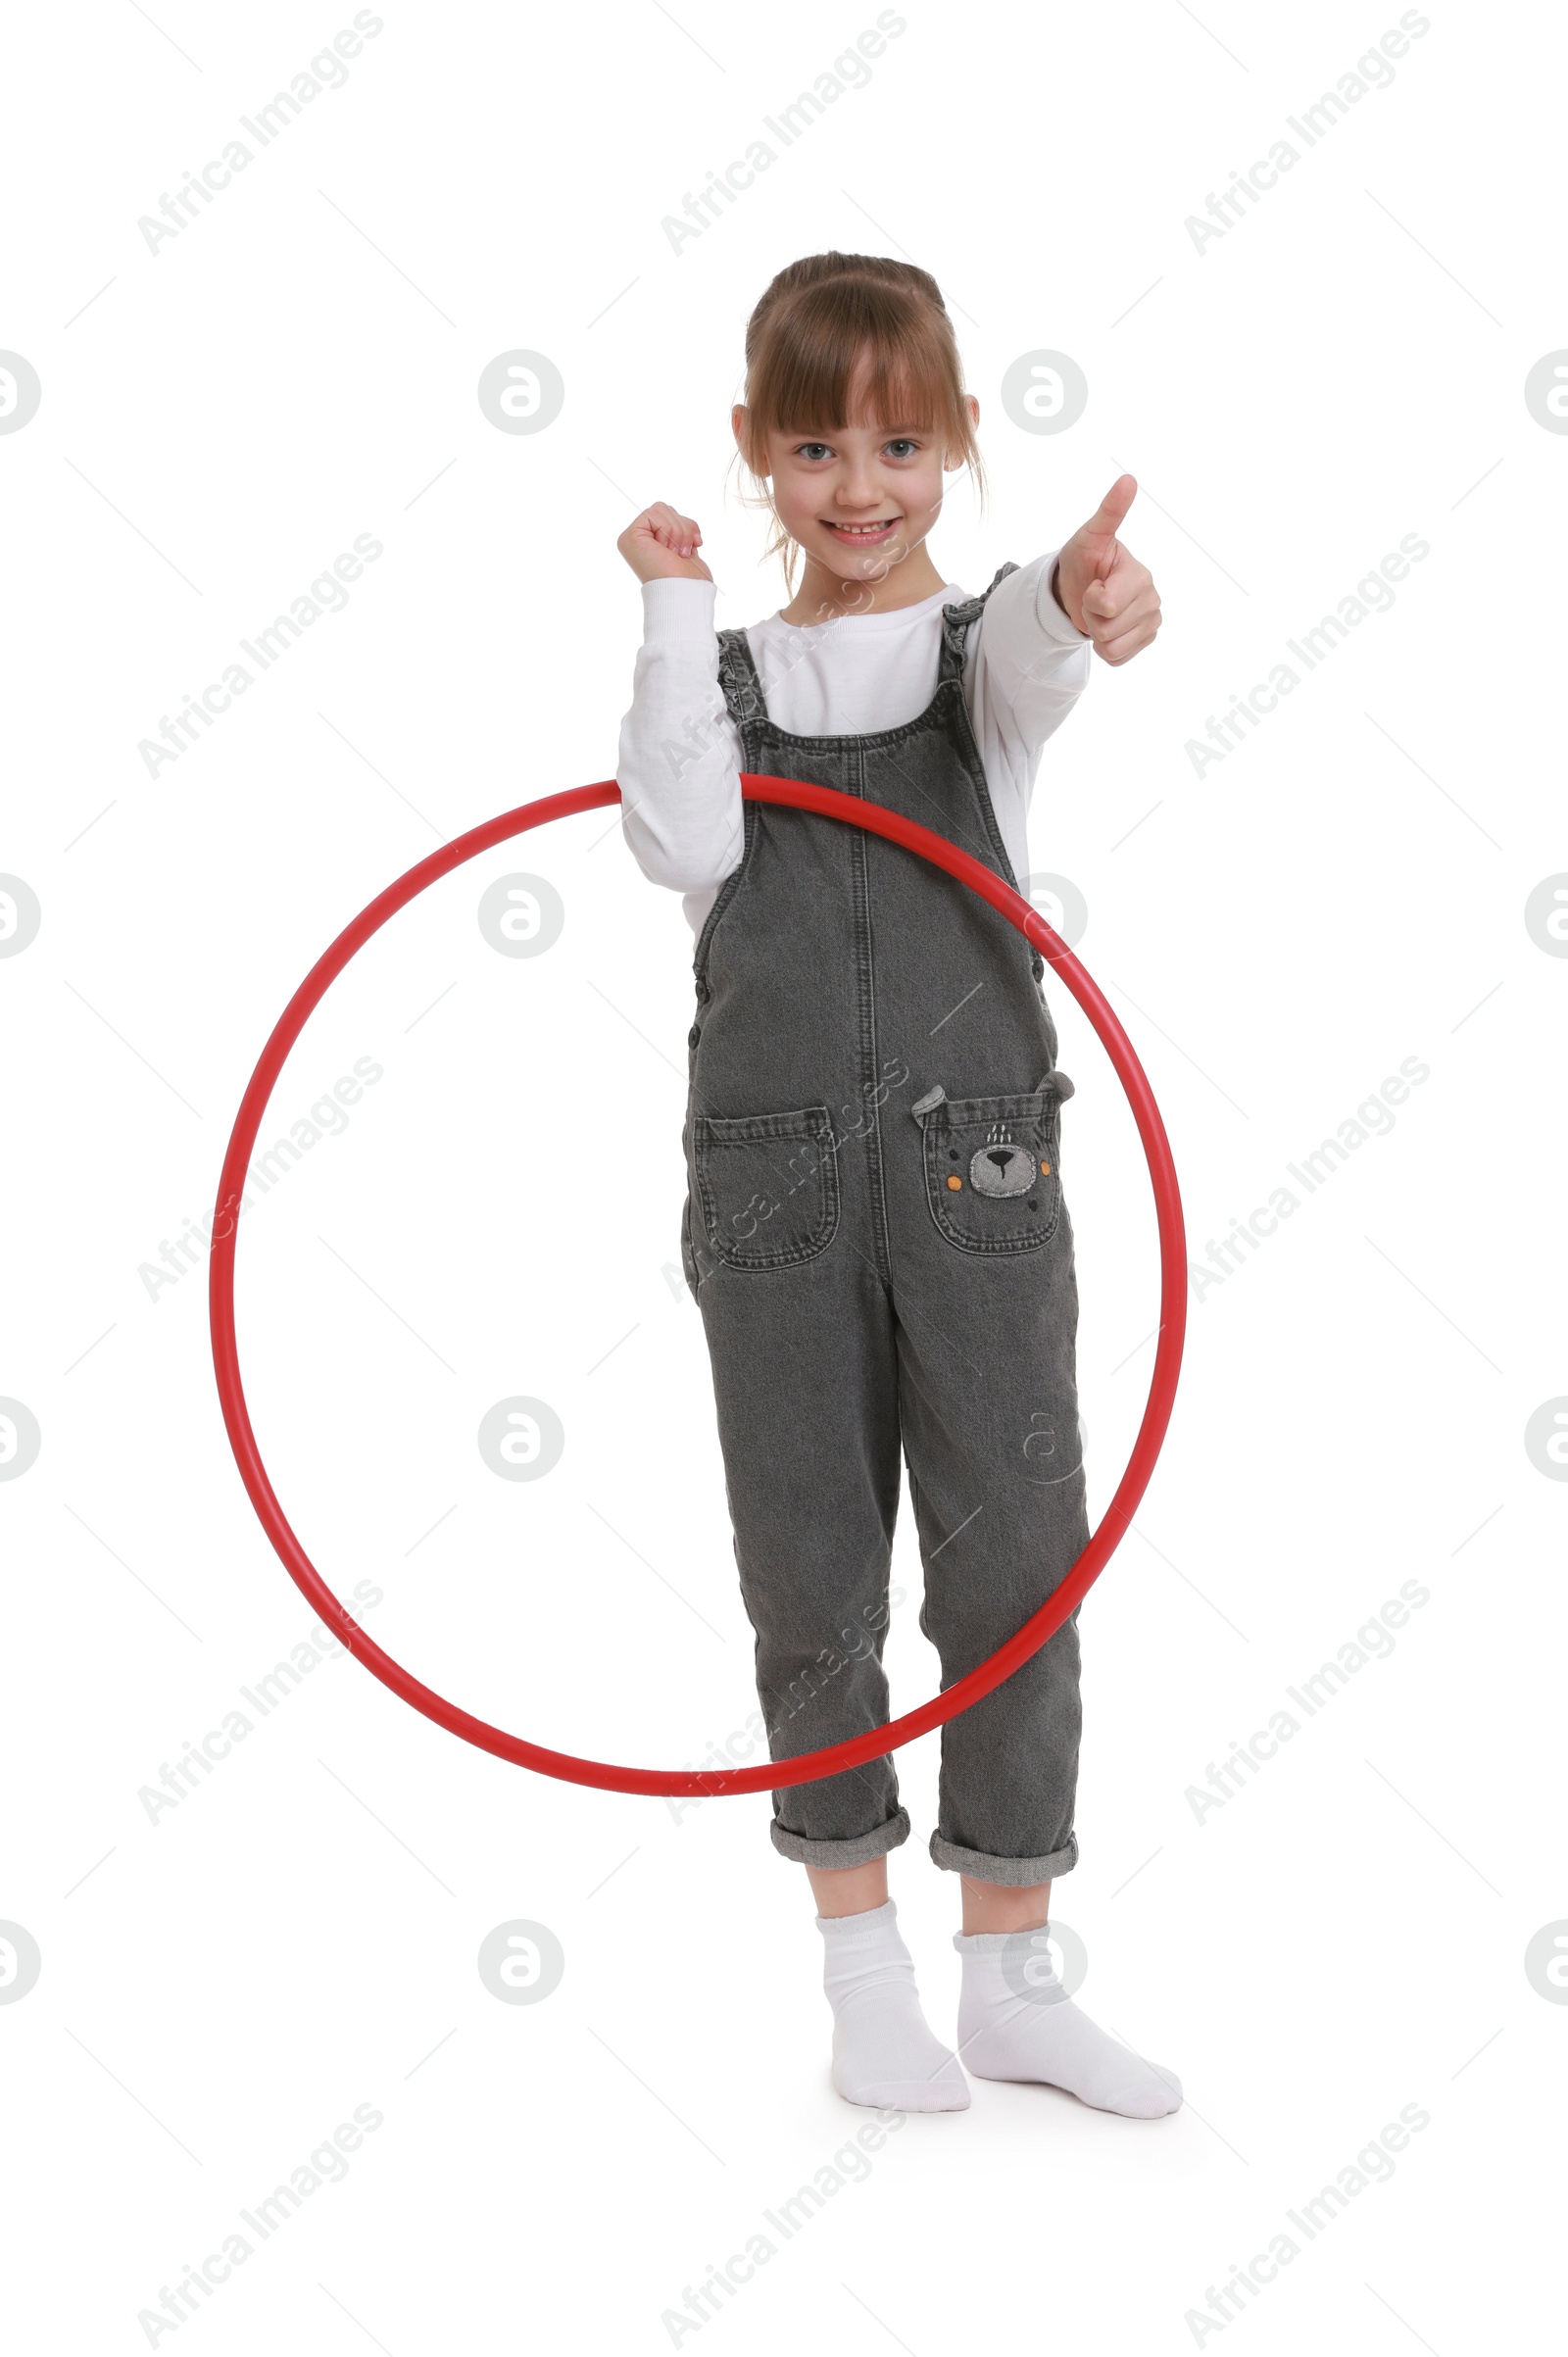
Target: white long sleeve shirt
{"type": "Point", "coordinates": [680, 755]}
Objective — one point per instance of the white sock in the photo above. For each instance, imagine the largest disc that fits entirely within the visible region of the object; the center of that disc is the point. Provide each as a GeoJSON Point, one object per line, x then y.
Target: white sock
{"type": "Point", "coordinates": [1016, 2021]}
{"type": "Point", "coordinates": [883, 2051]}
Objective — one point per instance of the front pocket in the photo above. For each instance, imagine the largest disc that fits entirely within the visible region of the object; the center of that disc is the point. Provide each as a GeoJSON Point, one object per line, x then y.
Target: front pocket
{"type": "Point", "coordinates": [990, 1171]}
{"type": "Point", "coordinates": [768, 1186]}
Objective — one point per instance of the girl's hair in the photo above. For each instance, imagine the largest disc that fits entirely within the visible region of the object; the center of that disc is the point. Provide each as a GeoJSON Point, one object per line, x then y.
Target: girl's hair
{"type": "Point", "coordinates": [806, 339]}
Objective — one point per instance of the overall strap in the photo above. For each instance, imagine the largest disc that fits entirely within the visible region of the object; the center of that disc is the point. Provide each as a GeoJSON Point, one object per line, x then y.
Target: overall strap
{"type": "Point", "coordinates": [955, 621]}
{"type": "Point", "coordinates": [737, 676]}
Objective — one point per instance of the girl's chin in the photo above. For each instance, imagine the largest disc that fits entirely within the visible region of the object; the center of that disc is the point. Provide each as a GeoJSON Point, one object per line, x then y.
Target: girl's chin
{"type": "Point", "coordinates": [849, 564]}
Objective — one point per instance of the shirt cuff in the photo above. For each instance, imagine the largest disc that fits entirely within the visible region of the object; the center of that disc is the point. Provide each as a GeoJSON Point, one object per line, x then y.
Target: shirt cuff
{"type": "Point", "coordinates": [674, 609]}
{"type": "Point", "coordinates": [1048, 614]}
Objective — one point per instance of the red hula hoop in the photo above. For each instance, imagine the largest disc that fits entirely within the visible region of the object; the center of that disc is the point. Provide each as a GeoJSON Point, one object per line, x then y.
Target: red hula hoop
{"type": "Point", "coordinates": [771, 1775]}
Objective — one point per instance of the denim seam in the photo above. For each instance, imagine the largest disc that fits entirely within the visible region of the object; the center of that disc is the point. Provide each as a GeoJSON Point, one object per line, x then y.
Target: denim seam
{"type": "Point", "coordinates": [737, 677]}
{"type": "Point", "coordinates": [725, 895]}
{"type": "Point", "coordinates": [755, 1129]}
{"type": "Point", "coordinates": [688, 1257]}
{"type": "Point", "coordinates": [866, 991]}
{"type": "Point", "coordinates": [743, 701]}
{"type": "Point", "coordinates": [956, 621]}
{"type": "Point", "coordinates": [983, 784]}
{"type": "Point", "coordinates": [1019, 1873]}
{"type": "Point", "coordinates": [807, 1849]}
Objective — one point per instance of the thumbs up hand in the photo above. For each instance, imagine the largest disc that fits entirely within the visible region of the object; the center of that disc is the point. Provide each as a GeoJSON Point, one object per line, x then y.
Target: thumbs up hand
{"type": "Point", "coordinates": [1102, 590]}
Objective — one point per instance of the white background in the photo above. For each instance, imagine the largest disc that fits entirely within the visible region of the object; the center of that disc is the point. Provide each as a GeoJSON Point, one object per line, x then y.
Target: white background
{"type": "Point", "coordinates": [1346, 1936]}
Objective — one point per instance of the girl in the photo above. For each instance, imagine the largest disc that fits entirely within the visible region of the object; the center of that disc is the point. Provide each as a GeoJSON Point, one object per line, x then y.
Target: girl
{"type": "Point", "coordinates": [874, 1229]}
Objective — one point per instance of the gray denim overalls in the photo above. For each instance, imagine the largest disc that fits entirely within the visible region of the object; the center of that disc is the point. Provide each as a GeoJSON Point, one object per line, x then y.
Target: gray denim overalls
{"type": "Point", "coordinates": [876, 1237]}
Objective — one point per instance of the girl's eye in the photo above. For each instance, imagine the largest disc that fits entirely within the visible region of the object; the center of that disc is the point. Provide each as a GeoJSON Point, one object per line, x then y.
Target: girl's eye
{"type": "Point", "coordinates": [813, 450]}
{"type": "Point", "coordinates": [903, 446]}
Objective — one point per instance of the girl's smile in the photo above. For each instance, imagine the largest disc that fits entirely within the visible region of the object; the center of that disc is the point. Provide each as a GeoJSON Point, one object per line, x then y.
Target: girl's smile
{"type": "Point", "coordinates": [859, 500]}
{"type": "Point", "coordinates": [863, 535]}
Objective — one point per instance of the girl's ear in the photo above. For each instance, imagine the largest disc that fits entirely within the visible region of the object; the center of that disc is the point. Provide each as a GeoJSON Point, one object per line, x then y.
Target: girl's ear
{"type": "Point", "coordinates": [741, 424]}
{"type": "Point", "coordinates": [949, 464]}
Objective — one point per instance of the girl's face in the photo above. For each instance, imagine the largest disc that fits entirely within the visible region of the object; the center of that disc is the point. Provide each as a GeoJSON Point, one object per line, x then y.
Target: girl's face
{"type": "Point", "coordinates": [856, 498]}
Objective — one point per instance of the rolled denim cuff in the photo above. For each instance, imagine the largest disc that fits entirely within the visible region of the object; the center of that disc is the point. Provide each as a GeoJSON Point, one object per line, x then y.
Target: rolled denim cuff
{"type": "Point", "coordinates": [1019, 1873]}
{"type": "Point", "coordinates": [859, 1850]}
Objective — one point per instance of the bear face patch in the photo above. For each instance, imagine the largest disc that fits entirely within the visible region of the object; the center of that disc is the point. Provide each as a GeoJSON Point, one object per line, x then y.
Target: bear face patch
{"type": "Point", "coordinates": [1002, 1167]}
